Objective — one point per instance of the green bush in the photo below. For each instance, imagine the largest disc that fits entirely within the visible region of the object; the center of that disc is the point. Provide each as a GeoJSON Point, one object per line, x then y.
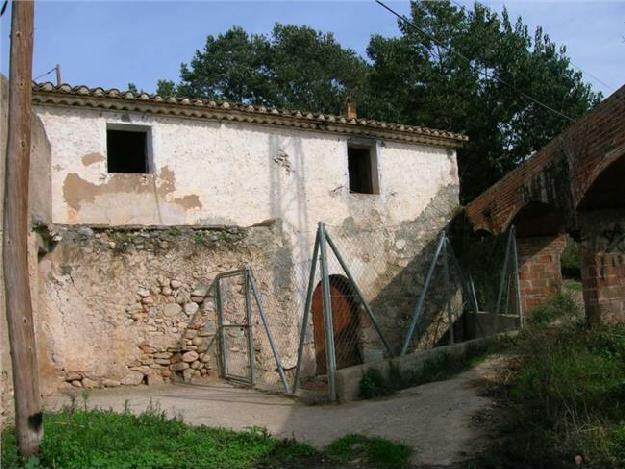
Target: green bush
{"type": "Point", "coordinates": [566, 396]}
{"type": "Point", "coordinates": [373, 384]}
{"type": "Point", "coordinates": [561, 306]}
{"type": "Point", "coordinates": [570, 260]}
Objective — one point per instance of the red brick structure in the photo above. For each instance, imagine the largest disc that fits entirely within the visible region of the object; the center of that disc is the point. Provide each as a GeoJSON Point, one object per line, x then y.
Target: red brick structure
{"type": "Point", "coordinates": [539, 272]}
{"type": "Point", "coordinates": [575, 184]}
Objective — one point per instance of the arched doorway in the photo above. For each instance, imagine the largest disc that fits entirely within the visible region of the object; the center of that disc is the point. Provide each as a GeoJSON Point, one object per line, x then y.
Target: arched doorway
{"type": "Point", "coordinates": [345, 324]}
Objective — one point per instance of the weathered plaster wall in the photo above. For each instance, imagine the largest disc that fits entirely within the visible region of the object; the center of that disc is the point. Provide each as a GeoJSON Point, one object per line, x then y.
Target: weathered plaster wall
{"type": "Point", "coordinates": [209, 173]}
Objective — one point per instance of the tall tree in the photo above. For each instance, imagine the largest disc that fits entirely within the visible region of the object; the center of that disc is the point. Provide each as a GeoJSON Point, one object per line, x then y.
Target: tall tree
{"type": "Point", "coordinates": [472, 72]}
{"type": "Point", "coordinates": [295, 67]}
{"type": "Point", "coordinates": [466, 71]}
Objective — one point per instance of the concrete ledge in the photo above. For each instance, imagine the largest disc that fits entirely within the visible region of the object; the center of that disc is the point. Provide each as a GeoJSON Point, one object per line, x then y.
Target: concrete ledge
{"type": "Point", "coordinates": [348, 379]}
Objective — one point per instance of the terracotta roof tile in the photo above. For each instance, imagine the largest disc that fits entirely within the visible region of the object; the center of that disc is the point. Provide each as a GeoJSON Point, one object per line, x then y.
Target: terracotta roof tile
{"type": "Point", "coordinates": [114, 99]}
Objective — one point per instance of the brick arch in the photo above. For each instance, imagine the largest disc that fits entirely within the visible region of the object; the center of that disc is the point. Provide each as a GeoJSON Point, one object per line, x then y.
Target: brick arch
{"type": "Point", "coordinates": [607, 190]}
{"type": "Point", "coordinates": [537, 219]}
{"type": "Point", "coordinates": [576, 183]}
{"type": "Point", "coordinates": [561, 173]}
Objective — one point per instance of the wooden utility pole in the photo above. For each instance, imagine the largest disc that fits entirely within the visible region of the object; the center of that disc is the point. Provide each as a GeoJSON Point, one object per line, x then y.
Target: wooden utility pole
{"type": "Point", "coordinates": [28, 417]}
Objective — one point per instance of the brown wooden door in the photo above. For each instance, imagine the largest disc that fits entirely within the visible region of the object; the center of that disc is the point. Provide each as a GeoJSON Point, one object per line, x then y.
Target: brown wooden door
{"type": "Point", "coordinates": [344, 321]}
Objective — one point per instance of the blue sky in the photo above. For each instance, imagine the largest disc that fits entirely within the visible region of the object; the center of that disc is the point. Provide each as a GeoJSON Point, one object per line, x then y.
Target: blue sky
{"type": "Point", "coordinates": [112, 43]}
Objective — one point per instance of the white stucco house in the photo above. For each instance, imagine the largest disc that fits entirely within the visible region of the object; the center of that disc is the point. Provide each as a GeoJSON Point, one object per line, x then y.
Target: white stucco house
{"type": "Point", "coordinates": [127, 183]}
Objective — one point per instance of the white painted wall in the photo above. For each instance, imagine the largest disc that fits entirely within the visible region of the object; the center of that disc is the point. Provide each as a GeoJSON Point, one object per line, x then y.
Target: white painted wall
{"type": "Point", "coordinates": [230, 170]}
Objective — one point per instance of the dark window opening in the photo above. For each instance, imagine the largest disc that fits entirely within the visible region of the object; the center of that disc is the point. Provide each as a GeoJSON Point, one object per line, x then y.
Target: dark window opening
{"type": "Point", "coordinates": [362, 171]}
{"type": "Point", "coordinates": [127, 151]}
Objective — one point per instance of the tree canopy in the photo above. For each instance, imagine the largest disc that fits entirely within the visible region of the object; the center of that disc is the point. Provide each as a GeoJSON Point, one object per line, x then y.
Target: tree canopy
{"type": "Point", "coordinates": [466, 71]}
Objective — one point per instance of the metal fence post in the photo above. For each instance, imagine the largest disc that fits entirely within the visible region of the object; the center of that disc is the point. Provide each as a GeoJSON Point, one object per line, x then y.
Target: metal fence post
{"type": "Point", "coordinates": [263, 317]}
{"type": "Point", "coordinates": [327, 315]}
{"type": "Point", "coordinates": [450, 316]}
{"type": "Point", "coordinates": [220, 316]}
{"type": "Point", "coordinates": [515, 261]}
{"type": "Point", "coordinates": [504, 273]}
{"type": "Point", "coordinates": [307, 305]}
{"type": "Point", "coordinates": [421, 303]}
{"type": "Point", "coordinates": [250, 329]}
{"type": "Point", "coordinates": [473, 294]}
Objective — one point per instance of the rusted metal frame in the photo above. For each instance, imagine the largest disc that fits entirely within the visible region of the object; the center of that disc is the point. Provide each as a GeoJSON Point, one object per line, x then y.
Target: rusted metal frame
{"type": "Point", "coordinates": [232, 376]}
{"type": "Point", "coordinates": [368, 309]}
{"type": "Point", "coordinates": [261, 312]}
{"type": "Point", "coordinates": [307, 306]}
{"type": "Point", "coordinates": [327, 316]}
{"type": "Point", "coordinates": [418, 311]}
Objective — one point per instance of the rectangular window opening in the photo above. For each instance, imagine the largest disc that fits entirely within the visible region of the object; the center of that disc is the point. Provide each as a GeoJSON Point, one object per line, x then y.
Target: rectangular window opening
{"type": "Point", "coordinates": [127, 150]}
{"type": "Point", "coordinates": [363, 177]}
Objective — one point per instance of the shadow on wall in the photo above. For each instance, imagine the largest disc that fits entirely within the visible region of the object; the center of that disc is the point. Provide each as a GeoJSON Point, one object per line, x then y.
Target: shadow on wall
{"type": "Point", "coordinates": [390, 264]}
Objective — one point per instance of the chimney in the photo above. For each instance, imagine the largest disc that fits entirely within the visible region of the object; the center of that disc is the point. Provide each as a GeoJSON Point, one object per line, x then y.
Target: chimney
{"type": "Point", "coordinates": [349, 109]}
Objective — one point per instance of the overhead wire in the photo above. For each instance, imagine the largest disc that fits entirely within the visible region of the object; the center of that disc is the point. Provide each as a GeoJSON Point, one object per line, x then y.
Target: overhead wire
{"type": "Point", "coordinates": [466, 59]}
{"type": "Point", "coordinates": [44, 74]}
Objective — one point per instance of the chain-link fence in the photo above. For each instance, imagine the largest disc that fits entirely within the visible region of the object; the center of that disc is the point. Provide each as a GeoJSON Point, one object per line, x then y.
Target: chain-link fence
{"type": "Point", "coordinates": [361, 295]}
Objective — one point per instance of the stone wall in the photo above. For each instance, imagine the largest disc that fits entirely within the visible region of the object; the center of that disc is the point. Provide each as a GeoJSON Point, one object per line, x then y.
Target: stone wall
{"type": "Point", "coordinates": [136, 305]}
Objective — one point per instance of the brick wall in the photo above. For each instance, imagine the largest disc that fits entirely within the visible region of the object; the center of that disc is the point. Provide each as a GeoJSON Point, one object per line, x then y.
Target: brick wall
{"type": "Point", "coordinates": [603, 265]}
{"type": "Point", "coordinates": [539, 268]}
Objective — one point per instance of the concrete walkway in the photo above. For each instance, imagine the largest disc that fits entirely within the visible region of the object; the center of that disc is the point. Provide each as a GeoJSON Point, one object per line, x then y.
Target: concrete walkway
{"type": "Point", "coordinates": [437, 419]}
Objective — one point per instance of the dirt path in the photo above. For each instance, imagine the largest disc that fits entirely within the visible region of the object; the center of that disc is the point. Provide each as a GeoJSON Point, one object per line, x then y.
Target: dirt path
{"type": "Point", "coordinates": [437, 419]}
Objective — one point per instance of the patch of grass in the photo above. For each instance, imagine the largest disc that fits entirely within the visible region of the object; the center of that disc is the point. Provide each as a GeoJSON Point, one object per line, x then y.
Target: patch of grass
{"type": "Point", "coordinates": [573, 285]}
{"type": "Point", "coordinates": [104, 439]}
{"type": "Point", "coordinates": [566, 397]}
{"type": "Point", "coordinates": [371, 451]}
{"type": "Point", "coordinates": [560, 307]}
{"type": "Point", "coordinates": [77, 438]}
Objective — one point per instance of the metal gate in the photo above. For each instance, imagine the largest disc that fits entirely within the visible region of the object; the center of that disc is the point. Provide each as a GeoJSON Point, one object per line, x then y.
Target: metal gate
{"type": "Point", "coordinates": [238, 301]}
{"type": "Point", "coordinates": [236, 327]}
